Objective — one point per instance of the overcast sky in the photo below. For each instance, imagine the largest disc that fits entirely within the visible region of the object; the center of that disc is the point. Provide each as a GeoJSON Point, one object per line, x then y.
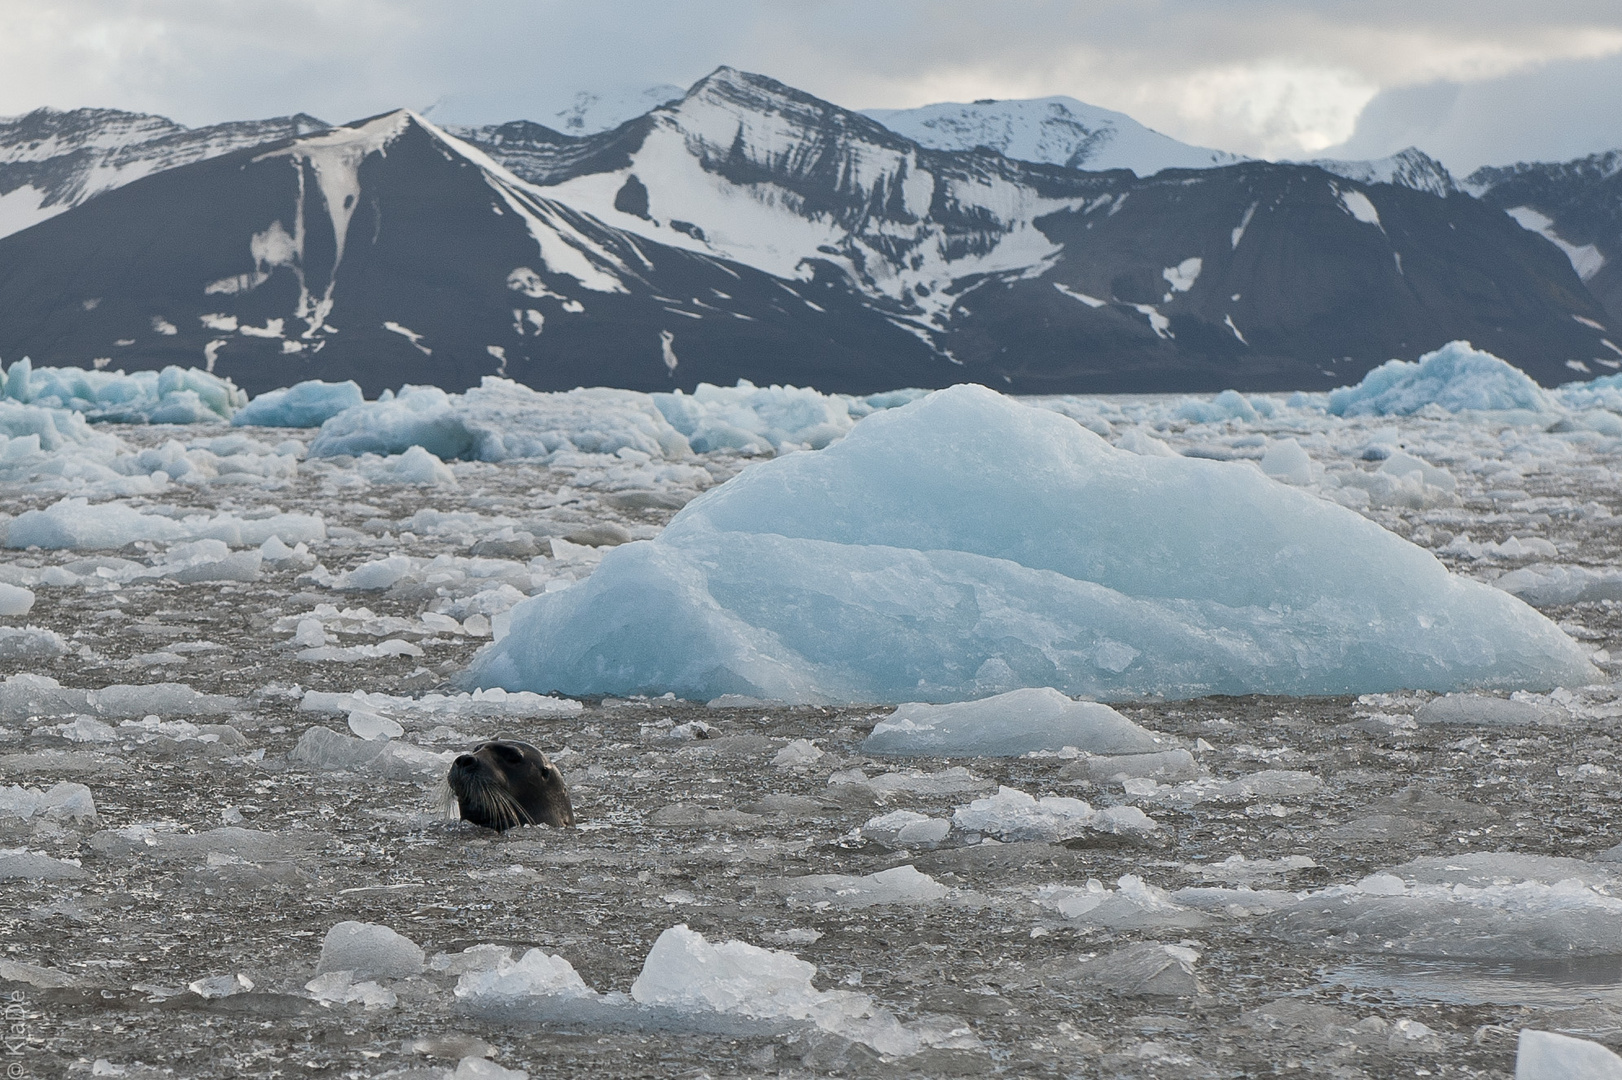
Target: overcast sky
{"type": "Point", "coordinates": [1473, 81]}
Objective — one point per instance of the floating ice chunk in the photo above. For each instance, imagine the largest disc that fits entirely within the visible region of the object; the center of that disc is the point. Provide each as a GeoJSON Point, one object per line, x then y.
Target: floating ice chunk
{"type": "Point", "coordinates": [897, 885]}
{"type": "Point", "coordinates": [1148, 969]}
{"type": "Point", "coordinates": [326, 749]}
{"type": "Point", "coordinates": [1007, 725]}
{"type": "Point", "coordinates": [15, 600]}
{"type": "Point", "coordinates": [536, 974]}
{"type": "Point", "coordinates": [340, 988]}
{"type": "Point", "coordinates": [63, 801]}
{"type": "Point", "coordinates": [966, 533]}
{"type": "Point", "coordinates": [763, 420]}
{"type": "Point", "coordinates": [367, 949]}
{"type": "Point", "coordinates": [1286, 460]}
{"type": "Point", "coordinates": [499, 420]}
{"type": "Point", "coordinates": [348, 654]}
{"type": "Point", "coordinates": [1133, 904]}
{"type": "Point", "coordinates": [1228, 405]}
{"type": "Point", "coordinates": [23, 643]}
{"type": "Point", "coordinates": [1238, 869]}
{"type": "Point", "coordinates": [1012, 814]}
{"type": "Point", "coordinates": [39, 695]}
{"type": "Point", "coordinates": [1455, 377]}
{"type": "Point", "coordinates": [305, 404]}
{"type": "Point", "coordinates": [1479, 709]}
{"type": "Point", "coordinates": [415, 466]}
{"type": "Point", "coordinates": [376, 574]}
{"type": "Point", "coordinates": [1166, 766]}
{"type": "Point", "coordinates": [1546, 585]}
{"type": "Point", "coordinates": [73, 523]}
{"type": "Point", "coordinates": [171, 396]}
{"type": "Point", "coordinates": [1402, 463]}
{"type": "Point", "coordinates": [953, 781]}
{"type": "Point", "coordinates": [209, 560]}
{"type": "Point", "coordinates": [685, 973]}
{"type": "Point", "coordinates": [28, 865]}
{"type": "Point", "coordinates": [481, 704]}
{"type": "Point", "coordinates": [1547, 1055]}
{"type": "Point", "coordinates": [799, 752]}
{"type": "Point", "coordinates": [1473, 907]}
{"type": "Point", "coordinates": [373, 727]}
{"type": "Point", "coordinates": [1266, 784]}
{"type": "Point", "coordinates": [220, 986]}
{"type": "Point", "coordinates": [901, 828]}
{"type": "Point", "coordinates": [473, 1067]}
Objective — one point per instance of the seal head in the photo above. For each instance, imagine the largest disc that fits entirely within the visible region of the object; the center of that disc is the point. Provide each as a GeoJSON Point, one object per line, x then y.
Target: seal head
{"type": "Point", "coordinates": [505, 783]}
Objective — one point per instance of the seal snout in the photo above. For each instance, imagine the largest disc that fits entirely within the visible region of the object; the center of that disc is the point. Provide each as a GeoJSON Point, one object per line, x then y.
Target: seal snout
{"type": "Point", "coordinates": [505, 783]}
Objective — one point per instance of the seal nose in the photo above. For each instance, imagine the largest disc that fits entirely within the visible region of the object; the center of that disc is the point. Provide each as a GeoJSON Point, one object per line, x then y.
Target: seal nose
{"type": "Point", "coordinates": [464, 763]}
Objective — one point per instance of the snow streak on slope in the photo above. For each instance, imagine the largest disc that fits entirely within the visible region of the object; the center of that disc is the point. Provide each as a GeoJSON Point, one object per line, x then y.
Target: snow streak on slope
{"type": "Point", "coordinates": [1053, 130]}
{"type": "Point", "coordinates": [51, 161]}
{"type": "Point", "coordinates": [1585, 259]}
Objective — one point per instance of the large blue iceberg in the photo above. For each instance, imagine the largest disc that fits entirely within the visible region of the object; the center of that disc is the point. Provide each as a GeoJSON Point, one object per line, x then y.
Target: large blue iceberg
{"type": "Point", "coordinates": [966, 545]}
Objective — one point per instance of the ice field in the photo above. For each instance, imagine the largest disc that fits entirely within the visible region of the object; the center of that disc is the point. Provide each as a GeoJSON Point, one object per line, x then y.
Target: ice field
{"type": "Point", "coordinates": [1338, 798]}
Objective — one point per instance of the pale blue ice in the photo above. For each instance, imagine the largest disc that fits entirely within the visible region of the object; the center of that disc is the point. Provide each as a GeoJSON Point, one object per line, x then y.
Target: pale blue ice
{"type": "Point", "coordinates": [966, 545]}
{"type": "Point", "coordinates": [306, 404]}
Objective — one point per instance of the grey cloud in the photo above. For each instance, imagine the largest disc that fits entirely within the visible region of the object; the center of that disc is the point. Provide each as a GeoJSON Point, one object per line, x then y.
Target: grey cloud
{"type": "Point", "coordinates": [1188, 67]}
{"type": "Point", "coordinates": [1559, 112]}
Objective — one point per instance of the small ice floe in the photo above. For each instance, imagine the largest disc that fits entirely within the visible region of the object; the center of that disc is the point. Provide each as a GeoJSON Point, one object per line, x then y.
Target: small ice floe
{"type": "Point", "coordinates": [39, 695]}
{"type": "Point", "coordinates": [219, 986]}
{"type": "Point", "coordinates": [1133, 904]}
{"type": "Point", "coordinates": [73, 523]}
{"type": "Point", "coordinates": [22, 864]}
{"type": "Point", "coordinates": [1165, 766]}
{"type": "Point", "coordinates": [396, 759]}
{"type": "Point", "coordinates": [1148, 969]}
{"type": "Point", "coordinates": [906, 828]}
{"type": "Point", "coordinates": [65, 801]}
{"type": "Point", "coordinates": [1483, 710]}
{"type": "Point", "coordinates": [900, 885]}
{"type": "Point", "coordinates": [954, 781]}
{"type": "Point", "coordinates": [797, 754]}
{"type": "Point", "coordinates": [1012, 814]}
{"type": "Point", "coordinates": [1548, 1055]}
{"type": "Point", "coordinates": [1546, 584]}
{"type": "Point", "coordinates": [1266, 784]}
{"type": "Point", "coordinates": [369, 950]}
{"type": "Point", "coordinates": [1008, 725]}
{"type": "Point", "coordinates": [1475, 906]}
{"type": "Point", "coordinates": [15, 600]}
{"type": "Point", "coordinates": [24, 643]}
{"type": "Point", "coordinates": [442, 708]}
{"type": "Point", "coordinates": [689, 983]}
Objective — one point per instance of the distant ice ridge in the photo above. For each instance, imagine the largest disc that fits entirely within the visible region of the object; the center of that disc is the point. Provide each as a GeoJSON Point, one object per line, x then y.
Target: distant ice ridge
{"type": "Point", "coordinates": [171, 396]}
{"type": "Point", "coordinates": [500, 419]}
{"type": "Point", "coordinates": [1455, 377]}
{"type": "Point", "coordinates": [966, 545]}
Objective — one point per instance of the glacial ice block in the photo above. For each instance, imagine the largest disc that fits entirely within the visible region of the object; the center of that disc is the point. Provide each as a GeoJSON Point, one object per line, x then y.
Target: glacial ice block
{"type": "Point", "coordinates": [1007, 725]}
{"type": "Point", "coordinates": [966, 545]}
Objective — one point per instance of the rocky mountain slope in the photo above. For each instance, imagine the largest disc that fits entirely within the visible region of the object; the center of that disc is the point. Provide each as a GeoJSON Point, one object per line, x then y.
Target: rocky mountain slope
{"type": "Point", "coordinates": [52, 160]}
{"type": "Point", "coordinates": [752, 230]}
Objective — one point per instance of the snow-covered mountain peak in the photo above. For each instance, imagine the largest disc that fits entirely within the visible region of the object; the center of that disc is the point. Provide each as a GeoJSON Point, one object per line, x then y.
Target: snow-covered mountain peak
{"type": "Point", "coordinates": [1053, 130]}
{"type": "Point", "coordinates": [595, 111]}
{"type": "Point", "coordinates": [1412, 168]}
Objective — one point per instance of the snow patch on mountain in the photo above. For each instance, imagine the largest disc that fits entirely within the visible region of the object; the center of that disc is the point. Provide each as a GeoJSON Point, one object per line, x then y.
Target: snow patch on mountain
{"type": "Point", "coordinates": [1053, 130]}
{"type": "Point", "coordinates": [1585, 259]}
